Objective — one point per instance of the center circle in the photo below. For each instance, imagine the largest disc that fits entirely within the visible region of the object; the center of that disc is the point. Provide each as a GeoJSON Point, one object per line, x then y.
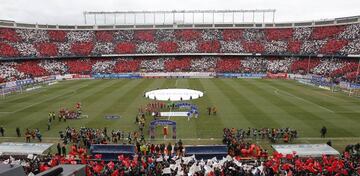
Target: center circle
{"type": "Point", "coordinates": [174, 94]}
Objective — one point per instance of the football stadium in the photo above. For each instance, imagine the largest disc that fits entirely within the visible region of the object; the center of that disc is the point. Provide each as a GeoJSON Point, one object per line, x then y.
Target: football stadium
{"type": "Point", "coordinates": [179, 92]}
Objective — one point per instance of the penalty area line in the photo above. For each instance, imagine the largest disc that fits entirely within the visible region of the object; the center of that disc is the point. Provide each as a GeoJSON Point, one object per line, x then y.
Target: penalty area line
{"type": "Point", "coordinates": [304, 100]}
{"type": "Point", "coordinates": [48, 99]}
{"type": "Point", "coordinates": [276, 91]}
{"type": "Point", "coordinates": [6, 112]}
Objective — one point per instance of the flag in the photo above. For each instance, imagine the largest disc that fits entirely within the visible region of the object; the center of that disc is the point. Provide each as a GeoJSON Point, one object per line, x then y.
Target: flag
{"type": "Point", "coordinates": [111, 165]}
{"type": "Point", "coordinates": [98, 156]}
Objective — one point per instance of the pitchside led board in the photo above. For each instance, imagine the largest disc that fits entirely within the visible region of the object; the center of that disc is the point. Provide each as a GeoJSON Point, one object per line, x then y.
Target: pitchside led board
{"type": "Point", "coordinates": [306, 150]}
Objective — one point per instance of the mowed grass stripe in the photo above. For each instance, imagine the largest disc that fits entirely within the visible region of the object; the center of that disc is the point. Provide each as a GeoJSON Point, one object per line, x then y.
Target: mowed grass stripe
{"type": "Point", "coordinates": [169, 83]}
{"type": "Point", "coordinates": [251, 110]}
{"type": "Point", "coordinates": [288, 113]}
{"type": "Point", "coordinates": [13, 103]}
{"type": "Point", "coordinates": [67, 102]}
{"type": "Point", "coordinates": [100, 86]}
{"type": "Point", "coordinates": [182, 83]}
{"type": "Point", "coordinates": [206, 126]}
{"type": "Point", "coordinates": [349, 109]}
{"type": "Point", "coordinates": [95, 104]}
{"type": "Point", "coordinates": [339, 97]}
{"type": "Point", "coordinates": [97, 96]}
{"type": "Point", "coordinates": [318, 116]}
{"type": "Point", "coordinates": [105, 98]}
{"type": "Point", "coordinates": [227, 104]}
{"type": "Point", "coordinates": [192, 129]}
{"type": "Point", "coordinates": [20, 97]}
{"type": "Point", "coordinates": [159, 84]}
{"type": "Point", "coordinates": [258, 101]}
{"type": "Point", "coordinates": [102, 90]}
{"type": "Point", "coordinates": [325, 101]}
{"type": "Point", "coordinates": [32, 113]}
{"type": "Point", "coordinates": [130, 102]}
{"type": "Point", "coordinates": [113, 102]}
{"type": "Point", "coordinates": [347, 120]}
{"type": "Point", "coordinates": [184, 128]}
{"type": "Point", "coordinates": [36, 114]}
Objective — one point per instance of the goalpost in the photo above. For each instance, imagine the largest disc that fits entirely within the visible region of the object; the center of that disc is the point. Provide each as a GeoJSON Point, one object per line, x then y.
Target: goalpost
{"type": "Point", "coordinates": [351, 89]}
{"type": "Point", "coordinates": [5, 91]}
{"type": "Point", "coordinates": [336, 88]}
{"type": "Point", "coordinates": [354, 92]}
{"type": "Point", "coordinates": [347, 89]}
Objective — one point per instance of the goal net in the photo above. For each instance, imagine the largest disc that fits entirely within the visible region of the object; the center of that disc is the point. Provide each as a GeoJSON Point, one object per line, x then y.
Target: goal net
{"type": "Point", "coordinates": [4, 91]}
{"type": "Point", "coordinates": [354, 92]}
{"type": "Point", "coordinates": [350, 89]}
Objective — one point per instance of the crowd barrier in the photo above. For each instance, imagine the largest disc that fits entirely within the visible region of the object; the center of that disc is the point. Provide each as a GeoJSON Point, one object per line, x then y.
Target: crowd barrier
{"type": "Point", "coordinates": [112, 151]}
{"type": "Point", "coordinates": [116, 76]}
{"type": "Point", "coordinates": [241, 75]}
{"type": "Point", "coordinates": [207, 152]}
{"type": "Point", "coordinates": [277, 75]}
{"type": "Point", "coordinates": [347, 85]}
{"type": "Point", "coordinates": [177, 74]}
{"type": "Point", "coordinates": [321, 81]}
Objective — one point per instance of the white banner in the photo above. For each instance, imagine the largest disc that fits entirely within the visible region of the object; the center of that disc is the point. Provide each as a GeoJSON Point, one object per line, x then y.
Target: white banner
{"type": "Point", "coordinates": [174, 114]}
{"type": "Point", "coordinates": [62, 77]}
{"type": "Point", "coordinates": [24, 148]}
{"type": "Point", "coordinates": [179, 74]}
{"type": "Point", "coordinates": [304, 150]}
{"type": "Point", "coordinates": [299, 76]}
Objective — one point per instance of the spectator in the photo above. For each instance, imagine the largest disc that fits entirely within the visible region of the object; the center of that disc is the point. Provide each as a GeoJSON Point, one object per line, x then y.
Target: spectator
{"type": "Point", "coordinates": [18, 132]}
{"type": "Point", "coordinates": [323, 131]}
{"type": "Point", "coordinates": [2, 131]}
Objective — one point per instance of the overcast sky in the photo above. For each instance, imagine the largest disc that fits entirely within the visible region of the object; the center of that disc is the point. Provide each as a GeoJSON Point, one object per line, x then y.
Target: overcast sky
{"type": "Point", "coordinates": [70, 11]}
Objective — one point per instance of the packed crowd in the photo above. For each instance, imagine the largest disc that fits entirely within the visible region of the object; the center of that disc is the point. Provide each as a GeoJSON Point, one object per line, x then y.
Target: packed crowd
{"type": "Point", "coordinates": [272, 134]}
{"type": "Point", "coordinates": [168, 159]}
{"type": "Point", "coordinates": [84, 136]}
{"type": "Point", "coordinates": [334, 67]}
{"type": "Point", "coordinates": [342, 40]}
{"type": "Point", "coordinates": [8, 72]}
{"type": "Point", "coordinates": [244, 158]}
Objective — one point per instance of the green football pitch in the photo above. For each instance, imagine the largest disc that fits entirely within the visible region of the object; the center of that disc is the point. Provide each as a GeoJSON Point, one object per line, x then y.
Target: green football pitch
{"type": "Point", "coordinates": [241, 103]}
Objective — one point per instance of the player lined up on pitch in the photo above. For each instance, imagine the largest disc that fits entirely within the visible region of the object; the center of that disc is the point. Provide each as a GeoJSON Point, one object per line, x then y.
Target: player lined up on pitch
{"type": "Point", "coordinates": [212, 110]}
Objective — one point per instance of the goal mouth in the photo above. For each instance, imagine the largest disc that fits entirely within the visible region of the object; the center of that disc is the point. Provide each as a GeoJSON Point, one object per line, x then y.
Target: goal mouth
{"type": "Point", "coordinates": [174, 94]}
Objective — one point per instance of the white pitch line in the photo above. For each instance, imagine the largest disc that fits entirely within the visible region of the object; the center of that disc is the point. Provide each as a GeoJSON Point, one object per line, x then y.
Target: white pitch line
{"type": "Point", "coordinates": [346, 112]}
{"type": "Point", "coordinates": [276, 91]}
{"type": "Point", "coordinates": [34, 104]}
{"type": "Point", "coordinates": [170, 113]}
{"type": "Point", "coordinates": [307, 101]}
{"type": "Point", "coordinates": [176, 82]}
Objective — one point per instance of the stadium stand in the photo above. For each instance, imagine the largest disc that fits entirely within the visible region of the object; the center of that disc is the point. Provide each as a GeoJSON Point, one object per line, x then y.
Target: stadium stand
{"type": "Point", "coordinates": [345, 69]}
{"type": "Point", "coordinates": [333, 40]}
{"type": "Point", "coordinates": [277, 50]}
{"type": "Point", "coordinates": [153, 164]}
{"type": "Point", "coordinates": [323, 51]}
